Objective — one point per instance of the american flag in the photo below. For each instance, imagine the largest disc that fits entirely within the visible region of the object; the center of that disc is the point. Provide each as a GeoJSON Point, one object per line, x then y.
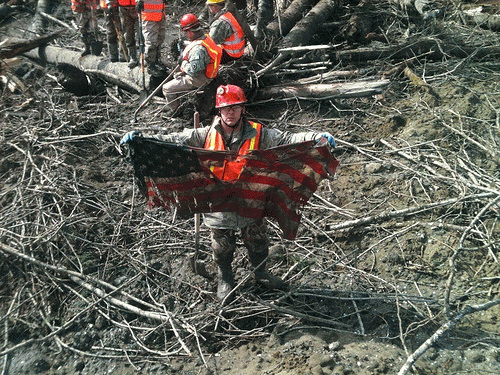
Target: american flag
{"type": "Point", "coordinates": [274, 183]}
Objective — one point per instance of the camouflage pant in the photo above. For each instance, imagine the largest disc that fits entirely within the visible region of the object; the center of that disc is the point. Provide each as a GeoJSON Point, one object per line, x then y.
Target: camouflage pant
{"type": "Point", "coordinates": [130, 22]}
{"type": "Point", "coordinates": [254, 238]}
{"type": "Point", "coordinates": [85, 23]}
{"type": "Point", "coordinates": [112, 24]}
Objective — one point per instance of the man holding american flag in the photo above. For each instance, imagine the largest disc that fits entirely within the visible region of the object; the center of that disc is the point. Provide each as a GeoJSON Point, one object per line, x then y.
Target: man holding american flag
{"type": "Point", "coordinates": [232, 132]}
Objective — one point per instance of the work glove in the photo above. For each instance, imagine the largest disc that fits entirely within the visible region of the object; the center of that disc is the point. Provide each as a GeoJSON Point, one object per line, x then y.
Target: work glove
{"type": "Point", "coordinates": [129, 137]}
{"type": "Point", "coordinates": [139, 6]}
{"type": "Point", "coordinates": [328, 137]}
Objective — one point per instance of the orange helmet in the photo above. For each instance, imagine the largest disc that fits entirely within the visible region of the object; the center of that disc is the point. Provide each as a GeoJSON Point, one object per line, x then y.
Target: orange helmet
{"type": "Point", "coordinates": [189, 21]}
{"type": "Point", "coordinates": [229, 95]}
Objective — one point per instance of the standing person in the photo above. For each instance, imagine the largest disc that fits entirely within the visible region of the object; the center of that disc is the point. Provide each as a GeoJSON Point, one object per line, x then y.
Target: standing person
{"type": "Point", "coordinates": [84, 11]}
{"type": "Point", "coordinates": [129, 21]}
{"type": "Point", "coordinates": [154, 28]}
{"type": "Point", "coordinates": [200, 62]}
{"type": "Point", "coordinates": [231, 130]}
{"type": "Point", "coordinates": [226, 31]}
{"type": "Point", "coordinates": [110, 8]}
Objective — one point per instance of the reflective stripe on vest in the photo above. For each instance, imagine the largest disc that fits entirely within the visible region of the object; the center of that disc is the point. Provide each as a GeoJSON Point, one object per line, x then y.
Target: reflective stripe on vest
{"type": "Point", "coordinates": [214, 52]}
{"type": "Point", "coordinates": [153, 10]}
{"type": "Point", "coordinates": [231, 169]}
{"type": "Point", "coordinates": [234, 45]}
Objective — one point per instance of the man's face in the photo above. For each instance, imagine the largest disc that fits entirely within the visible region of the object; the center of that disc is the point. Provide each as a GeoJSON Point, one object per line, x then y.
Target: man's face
{"type": "Point", "coordinates": [231, 115]}
{"type": "Point", "coordinates": [214, 8]}
{"type": "Point", "coordinates": [190, 35]}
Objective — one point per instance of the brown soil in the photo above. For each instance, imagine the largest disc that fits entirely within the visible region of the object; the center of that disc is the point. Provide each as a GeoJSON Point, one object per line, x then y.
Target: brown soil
{"type": "Point", "coordinates": [362, 298]}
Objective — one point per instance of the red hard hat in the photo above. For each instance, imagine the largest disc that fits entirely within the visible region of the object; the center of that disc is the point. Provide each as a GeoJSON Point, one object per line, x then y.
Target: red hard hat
{"type": "Point", "coordinates": [188, 21]}
{"type": "Point", "coordinates": [229, 95]}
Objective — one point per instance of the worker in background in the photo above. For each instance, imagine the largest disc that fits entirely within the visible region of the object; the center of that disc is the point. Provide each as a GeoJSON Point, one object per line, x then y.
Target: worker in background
{"type": "Point", "coordinates": [129, 21]}
{"type": "Point", "coordinates": [110, 8]}
{"type": "Point", "coordinates": [84, 11]}
{"type": "Point", "coordinates": [226, 31]}
{"type": "Point", "coordinates": [154, 27]}
{"type": "Point", "coordinates": [199, 65]}
{"type": "Point", "coordinates": [231, 130]}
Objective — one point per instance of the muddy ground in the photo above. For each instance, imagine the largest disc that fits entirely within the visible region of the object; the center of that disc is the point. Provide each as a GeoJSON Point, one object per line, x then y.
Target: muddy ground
{"type": "Point", "coordinates": [364, 294]}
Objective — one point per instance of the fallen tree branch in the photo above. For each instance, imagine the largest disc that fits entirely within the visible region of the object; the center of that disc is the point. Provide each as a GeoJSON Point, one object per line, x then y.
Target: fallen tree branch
{"type": "Point", "coordinates": [441, 331]}
{"type": "Point", "coordinates": [405, 212]}
{"type": "Point", "coordinates": [323, 90]}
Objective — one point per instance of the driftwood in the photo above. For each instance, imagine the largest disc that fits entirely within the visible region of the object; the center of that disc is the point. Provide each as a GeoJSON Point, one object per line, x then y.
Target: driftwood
{"type": "Point", "coordinates": [323, 90]}
{"type": "Point", "coordinates": [116, 73]}
{"type": "Point", "coordinates": [303, 31]}
{"type": "Point", "coordinates": [483, 16]}
{"type": "Point", "coordinates": [283, 24]}
{"type": "Point", "coordinates": [12, 48]}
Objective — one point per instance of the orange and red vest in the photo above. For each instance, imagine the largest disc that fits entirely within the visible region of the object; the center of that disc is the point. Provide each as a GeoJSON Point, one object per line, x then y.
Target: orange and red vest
{"type": "Point", "coordinates": [231, 169]}
{"type": "Point", "coordinates": [214, 51]}
{"type": "Point", "coordinates": [153, 10]}
{"type": "Point", "coordinates": [235, 45]}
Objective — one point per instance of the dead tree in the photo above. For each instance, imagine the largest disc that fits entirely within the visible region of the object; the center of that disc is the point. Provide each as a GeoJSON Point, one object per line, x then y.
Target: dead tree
{"type": "Point", "coordinates": [283, 24]}
{"type": "Point", "coordinates": [302, 32]}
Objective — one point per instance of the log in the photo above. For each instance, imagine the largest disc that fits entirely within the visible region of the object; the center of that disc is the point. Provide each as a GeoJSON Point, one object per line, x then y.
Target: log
{"type": "Point", "coordinates": [303, 31]}
{"type": "Point", "coordinates": [323, 90]}
{"type": "Point", "coordinates": [484, 17]}
{"type": "Point", "coordinates": [434, 49]}
{"type": "Point", "coordinates": [116, 73]}
{"type": "Point", "coordinates": [13, 47]}
{"type": "Point", "coordinates": [282, 25]}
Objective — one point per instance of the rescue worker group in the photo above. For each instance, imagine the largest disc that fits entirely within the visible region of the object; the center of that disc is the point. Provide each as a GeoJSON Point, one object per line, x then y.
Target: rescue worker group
{"type": "Point", "coordinates": [230, 128]}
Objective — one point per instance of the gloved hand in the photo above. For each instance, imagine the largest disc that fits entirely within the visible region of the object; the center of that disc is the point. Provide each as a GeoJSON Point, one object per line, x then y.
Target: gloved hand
{"type": "Point", "coordinates": [129, 137]}
{"type": "Point", "coordinates": [328, 137]}
{"type": "Point", "coordinates": [139, 6]}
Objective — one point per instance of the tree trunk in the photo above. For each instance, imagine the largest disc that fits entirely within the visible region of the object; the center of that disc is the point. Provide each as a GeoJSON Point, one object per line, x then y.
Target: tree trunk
{"type": "Point", "coordinates": [307, 26]}
{"type": "Point", "coordinates": [323, 90]}
{"type": "Point", "coordinates": [116, 73]}
{"type": "Point", "coordinates": [292, 15]}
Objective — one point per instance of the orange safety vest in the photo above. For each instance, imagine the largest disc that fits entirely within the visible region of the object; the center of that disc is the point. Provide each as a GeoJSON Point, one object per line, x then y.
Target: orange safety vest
{"type": "Point", "coordinates": [231, 169]}
{"type": "Point", "coordinates": [214, 51]}
{"type": "Point", "coordinates": [126, 3]}
{"type": "Point", "coordinates": [153, 10]}
{"type": "Point", "coordinates": [235, 45]}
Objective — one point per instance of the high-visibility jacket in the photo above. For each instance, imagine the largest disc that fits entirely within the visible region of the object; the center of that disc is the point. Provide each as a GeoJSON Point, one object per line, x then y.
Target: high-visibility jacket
{"type": "Point", "coordinates": [231, 169]}
{"type": "Point", "coordinates": [79, 6]}
{"type": "Point", "coordinates": [126, 3]}
{"type": "Point", "coordinates": [214, 51]}
{"type": "Point", "coordinates": [235, 45]}
{"type": "Point", "coordinates": [153, 10]}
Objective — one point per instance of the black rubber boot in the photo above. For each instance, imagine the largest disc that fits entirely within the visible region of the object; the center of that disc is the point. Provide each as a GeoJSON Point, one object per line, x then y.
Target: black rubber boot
{"type": "Point", "coordinates": [225, 282]}
{"type": "Point", "coordinates": [86, 42]}
{"type": "Point", "coordinates": [113, 52]}
{"type": "Point", "coordinates": [133, 62]}
{"type": "Point", "coordinates": [257, 260]}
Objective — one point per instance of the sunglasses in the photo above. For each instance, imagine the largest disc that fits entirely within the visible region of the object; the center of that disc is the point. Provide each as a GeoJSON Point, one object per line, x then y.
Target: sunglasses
{"type": "Point", "coordinates": [235, 108]}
